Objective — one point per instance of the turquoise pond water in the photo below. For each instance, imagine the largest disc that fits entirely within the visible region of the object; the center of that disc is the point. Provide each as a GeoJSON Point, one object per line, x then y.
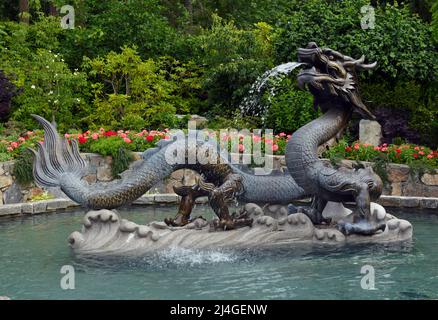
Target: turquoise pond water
{"type": "Point", "coordinates": [33, 250]}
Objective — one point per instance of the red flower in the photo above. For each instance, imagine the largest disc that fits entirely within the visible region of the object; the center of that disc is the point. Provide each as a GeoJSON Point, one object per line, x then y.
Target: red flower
{"type": "Point", "coordinates": [150, 138]}
{"type": "Point", "coordinates": [82, 140]}
{"type": "Point", "coordinates": [110, 133]}
{"type": "Point", "coordinates": [398, 151]}
{"type": "Point", "coordinates": [348, 149]}
{"type": "Point", "coordinates": [415, 155]}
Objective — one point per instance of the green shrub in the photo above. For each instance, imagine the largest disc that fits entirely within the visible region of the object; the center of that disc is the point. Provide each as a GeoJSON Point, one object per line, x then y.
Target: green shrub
{"type": "Point", "coordinates": [400, 42]}
{"type": "Point", "coordinates": [289, 109]}
{"type": "Point", "coordinates": [23, 168]}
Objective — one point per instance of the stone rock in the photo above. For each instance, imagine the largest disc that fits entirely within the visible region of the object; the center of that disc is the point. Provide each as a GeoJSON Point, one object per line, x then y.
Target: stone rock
{"type": "Point", "coordinates": [190, 177]}
{"type": "Point", "coordinates": [410, 202]}
{"type": "Point", "coordinates": [396, 189]}
{"type": "Point", "coordinates": [370, 132]}
{"type": "Point", "coordinates": [430, 179]}
{"type": "Point", "coordinates": [104, 173]}
{"type": "Point", "coordinates": [166, 198]}
{"type": "Point", "coordinates": [201, 122]}
{"type": "Point", "coordinates": [429, 203]}
{"type": "Point", "coordinates": [10, 209]}
{"type": "Point", "coordinates": [55, 204]}
{"type": "Point", "coordinates": [13, 194]}
{"type": "Point", "coordinates": [178, 175]}
{"type": "Point", "coordinates": [389, 201]}
{"type": "Point", "coordinates": [145, 199]}
{"type": "Point", "coordinates": [398, 173]}
{"type": "Point", "coordinates": [27, 208]}
{"type": "Point", "coordinates": [39, 207]}
{"type": "Point", "coordinates": [56, 192]}
{"type": "Point", "coordinates": [5, 181]}
{"type": "Point", "coordinates": [335, 210]}
{"type": "Point", "coordinates": [90, 178]}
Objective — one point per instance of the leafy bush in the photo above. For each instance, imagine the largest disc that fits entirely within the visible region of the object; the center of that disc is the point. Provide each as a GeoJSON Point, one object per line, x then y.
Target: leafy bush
{"type": "Point", "coordinates": [235, 58]}
{"type": "Point", "coordinates": [290, 108]}
{"type": "Point", "coordinates": [23, 168]}
{"type": "Point", "coordinates": [153, 91]}
{"type": "Point", "coordinates": [50, 90]}
{"type": "Point", "coordinates": [400, 42]}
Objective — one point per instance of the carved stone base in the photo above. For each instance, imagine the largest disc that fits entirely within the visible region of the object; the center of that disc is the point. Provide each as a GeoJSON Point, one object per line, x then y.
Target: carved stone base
{"type": "Point", "coordinates": [104, 233]}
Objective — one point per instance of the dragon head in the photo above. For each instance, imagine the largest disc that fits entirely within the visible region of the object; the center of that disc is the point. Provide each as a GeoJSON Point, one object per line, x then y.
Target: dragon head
{"type": "Point", "coordinates": [331, 77]}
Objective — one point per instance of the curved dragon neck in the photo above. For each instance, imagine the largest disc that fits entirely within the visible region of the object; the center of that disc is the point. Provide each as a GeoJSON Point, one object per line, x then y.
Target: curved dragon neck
{"type": "Point", "coordinates": [301, 150]}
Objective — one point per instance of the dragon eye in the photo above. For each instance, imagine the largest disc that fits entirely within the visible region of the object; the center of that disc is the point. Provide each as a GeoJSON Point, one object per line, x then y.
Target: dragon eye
{"type": "Point", "coordinates": [331, 57]}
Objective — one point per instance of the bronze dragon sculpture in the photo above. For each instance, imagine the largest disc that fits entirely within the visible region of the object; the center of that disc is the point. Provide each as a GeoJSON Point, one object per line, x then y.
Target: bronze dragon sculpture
{"type": "Point", "coordinates": [330, 78]}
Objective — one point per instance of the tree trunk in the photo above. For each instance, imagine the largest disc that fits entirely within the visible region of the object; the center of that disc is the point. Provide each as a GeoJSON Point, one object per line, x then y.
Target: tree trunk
{"type": "Point", "coordinates": [24, 11]}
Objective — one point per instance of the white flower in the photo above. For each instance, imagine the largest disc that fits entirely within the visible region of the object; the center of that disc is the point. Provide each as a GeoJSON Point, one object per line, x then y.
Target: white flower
{"type": "Point", "coordinates": [78, 100]}
{"type": "Point", "coordinates": [33, 86]}
{"type": "Point", "coordinates": [47, 67]}
{"type": "Point", "coordinates": [50, 92]}
{"type": "Point", "coordinates": [62, 60]}
{"type": "Point", "coordinates": [56, 101]}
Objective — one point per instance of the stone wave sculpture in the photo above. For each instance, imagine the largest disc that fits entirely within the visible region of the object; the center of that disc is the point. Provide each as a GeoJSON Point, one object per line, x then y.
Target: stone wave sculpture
{"type": "Point", "coordinates": [104, 232]}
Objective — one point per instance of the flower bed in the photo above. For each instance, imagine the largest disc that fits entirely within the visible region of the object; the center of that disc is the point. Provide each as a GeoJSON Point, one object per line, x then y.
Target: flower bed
{"type": "Point", "coordinates": [109, 143]}
{"type": "Point", "coordinates": [409, 154]}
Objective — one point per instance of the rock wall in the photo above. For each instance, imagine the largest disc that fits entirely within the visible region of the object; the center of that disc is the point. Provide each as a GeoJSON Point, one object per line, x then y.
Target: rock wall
{"type": "Point", "coordinates": [402, 181]}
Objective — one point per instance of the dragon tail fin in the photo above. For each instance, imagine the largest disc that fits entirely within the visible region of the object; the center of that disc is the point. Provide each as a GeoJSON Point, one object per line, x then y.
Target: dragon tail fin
{"type": "Point", "coordinates": [55, 157]}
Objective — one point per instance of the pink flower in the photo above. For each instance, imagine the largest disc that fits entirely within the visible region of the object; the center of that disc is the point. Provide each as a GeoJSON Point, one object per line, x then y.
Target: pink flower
{"type": "Point", "coordinates": [29, 133]}
{"type": "Point", "coordinates": [416, 148]}
{"type": "Point", "coordinates": [385, 145]}
{"type": "Point", "coordinates": [256, 138]}
{"type": "Point", "coordinates": [269, 141]}
{"type": "Point", "coordinates": [127, 140]}
{"type": "Point", "coordinates": [429, 156]}
{"type": "Point", "coordinates": [421, 152]}
{"type": "Point", "coordinates": [9, 149]}
{"type": "Point", "coordinates": [289, 136]}
{"type": "Point", "coordinates": [95, 136]}
{"type": "Point", "coordinates": [282, 134]}
{"type": "Point", "coordinates": [123, 135]}
{"type": "Point", "coordinates": [275, 147]}
{"type": "Point", "coordinates": [21, 139]}
{"type": "Point", "coordinates": [356, 146]}
{"type": "Point", "coordinates": [377, 148]}
{"type": "Point", "coordinates": [384, 149]}
{"type": "Point", "coordinates": [366, 145]}
{"type": "Point", "coordinates": [66, 135]}
{"type": "Point", "coordinates": [241, 148]}
{"type": "Point", "coordinates": [14, 144]}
